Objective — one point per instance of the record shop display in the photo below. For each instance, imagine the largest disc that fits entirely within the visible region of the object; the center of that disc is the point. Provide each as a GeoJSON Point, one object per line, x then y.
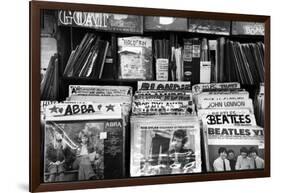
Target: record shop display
{"type": "Point", "coordinates": [135, 99]}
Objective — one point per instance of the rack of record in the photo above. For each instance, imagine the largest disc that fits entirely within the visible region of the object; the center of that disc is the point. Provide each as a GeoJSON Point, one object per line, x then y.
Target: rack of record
{"type": "Point", "coordinates": [129, 96]}
{"type": "Point", "coordinates": [164, 128]}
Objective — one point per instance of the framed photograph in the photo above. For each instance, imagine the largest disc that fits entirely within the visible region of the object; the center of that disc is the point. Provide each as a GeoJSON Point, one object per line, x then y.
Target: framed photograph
{"type": "Point", "coordinates": [125, 96]}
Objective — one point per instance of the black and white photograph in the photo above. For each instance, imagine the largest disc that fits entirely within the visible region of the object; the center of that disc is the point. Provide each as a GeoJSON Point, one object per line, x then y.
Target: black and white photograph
{"type": "Point", "coordinates": [83, 141]}
{"type": "Point", "coordinates": [125, 96]}
{"type": "Point", "coordinates": [140, 96]}
{"type": "Point", "coordinates": [236, 157]}
{"type": "Point", "coordinates": [231, 148]}
{"type": "Point", "coordinates": [162, 146]}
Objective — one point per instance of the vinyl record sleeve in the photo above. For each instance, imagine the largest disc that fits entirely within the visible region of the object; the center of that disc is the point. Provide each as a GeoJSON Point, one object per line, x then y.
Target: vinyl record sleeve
{"type": "Point", "coordinates": [198, 88]}
{"type": "Point", "coordinates": [227, 117]}
{"type": "Point", "coordinates": [153, 107]}
{"type": "Point", "coordinates": [83, 141]}
{"type": "Point", "coordinates": [237, 139]}
{"type": "Point", "coordinates": [95, 90]}
{"type": "Point", "coordinates": [227, 104]}
{"type": "Point", "coordinates": [163, 145]}
{"type": "Point", "coordinates": [135, 58]}
{"type": "Point", "coordinates": [164, 85]}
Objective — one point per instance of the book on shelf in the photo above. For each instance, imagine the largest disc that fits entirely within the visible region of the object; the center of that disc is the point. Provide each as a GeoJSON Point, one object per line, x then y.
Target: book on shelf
{"type": "Point", "coordinates": [135, 58]}
{"type": "Point", "coordinates": [88, 58]}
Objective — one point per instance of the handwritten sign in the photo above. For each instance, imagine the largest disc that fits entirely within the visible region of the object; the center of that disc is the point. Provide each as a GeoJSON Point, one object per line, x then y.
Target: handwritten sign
{"type": "Point", "coordinates": [82, 110]}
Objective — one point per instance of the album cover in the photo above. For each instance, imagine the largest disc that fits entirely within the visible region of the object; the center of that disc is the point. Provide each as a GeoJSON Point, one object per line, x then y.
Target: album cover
{"type": "Point", "coordinates": [164, 145]}
{"type": "Point", "coordinates": [96, 90]}
{"type": "Point", "coordinates": [234, 148]}
{"type": "Point", "coordinates": [135, 58]}
{"type": "Point", "coordinates": [83, 141]}
{"type": "Point", "coordinates": [164, 85]}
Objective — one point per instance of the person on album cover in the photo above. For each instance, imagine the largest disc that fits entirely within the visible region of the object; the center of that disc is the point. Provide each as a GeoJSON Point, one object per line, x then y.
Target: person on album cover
{"type": "Point", "coordinates": [232, 159]}
{"type": "Point", "coordinates": [221, 163]}
{"type": "Point", "coordinates": [85, 156]}
{"type": "Point", "coordinates": [243, 161]}
{"type": "Point", "coordinates": [178, 150]}
{"type": "Point", "coordinates": [256, 161]}
{"type": "Point", "coordinates": [178, 142]}
{"type": "Point", "coordinates": [58, 156]}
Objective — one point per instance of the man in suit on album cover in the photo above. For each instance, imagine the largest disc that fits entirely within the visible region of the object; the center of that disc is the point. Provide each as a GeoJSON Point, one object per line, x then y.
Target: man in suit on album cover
{"type": "Point", "coordinates": [256, 161]}
{"type": "Point", "coordinates": [232, 159]}
{"type": "Point", "coordinates": [243, 161]}
{"type": "Point", "coordinates": [222, 163]}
